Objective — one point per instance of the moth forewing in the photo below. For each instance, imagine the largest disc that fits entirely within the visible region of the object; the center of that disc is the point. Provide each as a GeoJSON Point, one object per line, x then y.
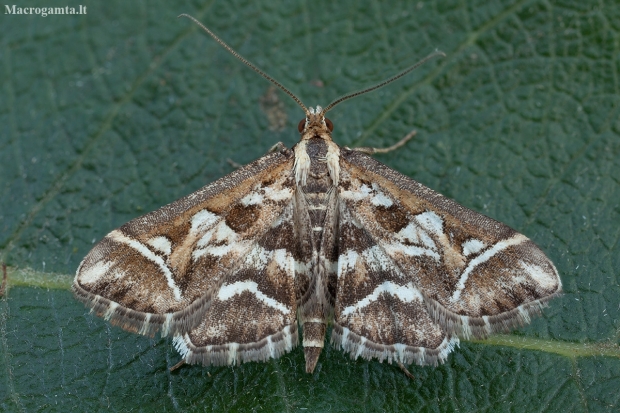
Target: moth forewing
{"type": "Point", "coordinates": [310, 234]}
{"type": "Point", "coordinates": [475, 275]}
{"type": "Point", "coordinates": [160, 272]}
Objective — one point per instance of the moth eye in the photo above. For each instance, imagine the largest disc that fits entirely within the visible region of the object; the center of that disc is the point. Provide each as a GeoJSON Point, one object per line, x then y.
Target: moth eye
{"type": "Point", "coordinates": [301, 125]}
{"type": "Point", "coordinates": [329, 124]}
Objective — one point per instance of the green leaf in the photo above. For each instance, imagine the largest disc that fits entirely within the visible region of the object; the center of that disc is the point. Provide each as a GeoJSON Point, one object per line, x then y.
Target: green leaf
{"type": "Point", "coordinates": [109, 115]}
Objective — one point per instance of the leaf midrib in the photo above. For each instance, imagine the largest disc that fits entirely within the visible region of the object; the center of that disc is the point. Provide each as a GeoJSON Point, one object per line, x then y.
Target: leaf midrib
{"type": "Point", "coordinates": [29, 278]}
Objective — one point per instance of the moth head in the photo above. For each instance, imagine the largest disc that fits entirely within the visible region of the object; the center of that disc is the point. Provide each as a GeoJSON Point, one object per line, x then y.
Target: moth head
{"type": "Point", "coordinates": [315, 120]}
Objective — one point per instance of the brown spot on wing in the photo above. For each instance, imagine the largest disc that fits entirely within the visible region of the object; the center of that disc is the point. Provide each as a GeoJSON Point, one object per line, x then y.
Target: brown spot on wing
{"type": "Point", "coordinates": [354, 238]}
{"type": "Point", "coordinates": [241, 217]}
{"type": "Point", "coordinates": [392, 218]}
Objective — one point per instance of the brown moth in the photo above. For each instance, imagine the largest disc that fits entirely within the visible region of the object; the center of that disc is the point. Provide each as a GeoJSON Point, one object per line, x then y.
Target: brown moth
{"type": "Point", "coordinates": [311, 235]}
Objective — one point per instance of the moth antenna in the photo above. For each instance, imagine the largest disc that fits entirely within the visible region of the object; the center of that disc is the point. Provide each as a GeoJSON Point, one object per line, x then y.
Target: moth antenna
{"type": "Point", "coordinates": [247, 63]}
{"type": "Point", "coordinates": [383, 83]}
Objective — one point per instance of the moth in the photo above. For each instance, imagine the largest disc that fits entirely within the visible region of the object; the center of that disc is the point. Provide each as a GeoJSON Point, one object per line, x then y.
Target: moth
{"type": "Point", "coordinates": [315, 235]}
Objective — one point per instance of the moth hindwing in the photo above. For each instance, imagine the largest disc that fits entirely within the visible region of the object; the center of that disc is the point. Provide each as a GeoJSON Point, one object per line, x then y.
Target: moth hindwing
{"type": "Point", "coordinates": [310, 234]}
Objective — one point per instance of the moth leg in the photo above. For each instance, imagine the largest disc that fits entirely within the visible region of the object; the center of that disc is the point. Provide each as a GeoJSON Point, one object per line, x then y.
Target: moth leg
{"type": "Point", "coordinates": [176, 366]}
{"type": "Point", "coordinates": [407, 372]}
{"type": "Point", "coordinates": [234, 164]}
{"type": "Point", "coordinates": [370, 151]}
{"type": "Point", "coordinates": [275, 148]}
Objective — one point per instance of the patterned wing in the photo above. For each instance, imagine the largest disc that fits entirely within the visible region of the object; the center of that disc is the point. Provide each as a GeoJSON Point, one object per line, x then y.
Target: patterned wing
{"type": "Point", "coordinates": [252, 316]}
{"type": "Point", "coordinates": [475, 275]}
{"type": "Point", "coordinates": [380, 313]}
{"type": "Point", "coordinates": [161, 270]}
